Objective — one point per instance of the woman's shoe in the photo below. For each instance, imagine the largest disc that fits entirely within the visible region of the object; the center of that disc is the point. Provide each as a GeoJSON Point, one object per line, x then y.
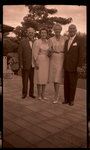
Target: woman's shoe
{"type": "Point", "coordinates": [44, 98]}
{"type": "Point", "coordinates": [56, 101]}
{"type": "Point", "coordinates": [39, 98]}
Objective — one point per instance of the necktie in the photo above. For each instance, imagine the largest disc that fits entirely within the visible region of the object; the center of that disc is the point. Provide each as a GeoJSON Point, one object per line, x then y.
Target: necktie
{"type": "Point", "coordinates": [69, 43]}
{"type": "Point", "coordinates": [31, 43]}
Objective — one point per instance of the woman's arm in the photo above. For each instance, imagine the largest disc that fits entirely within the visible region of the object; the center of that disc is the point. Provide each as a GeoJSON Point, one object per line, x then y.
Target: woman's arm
{"type": "Point", "coordinates": [50, 51]}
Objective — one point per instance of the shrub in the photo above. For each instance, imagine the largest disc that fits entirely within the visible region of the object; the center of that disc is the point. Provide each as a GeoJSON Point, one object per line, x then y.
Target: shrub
{"type": "Point", "coordinates": [83, 74]}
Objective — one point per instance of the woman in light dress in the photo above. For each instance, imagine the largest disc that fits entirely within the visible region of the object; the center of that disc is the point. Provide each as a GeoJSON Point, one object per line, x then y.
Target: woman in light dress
{"type": "Point", "coordinates": [56, 60]}
{"type": "Point", "coordinates": [41, 62]}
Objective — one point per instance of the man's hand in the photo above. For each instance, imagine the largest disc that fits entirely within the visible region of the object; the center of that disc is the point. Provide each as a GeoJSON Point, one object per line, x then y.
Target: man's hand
{"type": "Point", "coordinates": [36, 66]}
{"type": "Point", "coordinates": [79, 69]}
{"type": "Point", "coordinates": [50, 52]}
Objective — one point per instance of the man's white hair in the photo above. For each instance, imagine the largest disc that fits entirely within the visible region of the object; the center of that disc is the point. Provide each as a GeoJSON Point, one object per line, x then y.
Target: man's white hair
{"type": "Point", "coordinates": [31, 29]}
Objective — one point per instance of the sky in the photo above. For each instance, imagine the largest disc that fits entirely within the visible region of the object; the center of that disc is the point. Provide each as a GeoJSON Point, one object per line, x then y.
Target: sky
{"type": "Point", "coordinates": [13, 15]}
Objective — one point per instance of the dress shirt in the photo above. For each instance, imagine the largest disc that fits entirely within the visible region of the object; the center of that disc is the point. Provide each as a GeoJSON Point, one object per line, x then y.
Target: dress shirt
{"type": "Point", "coordinates": [70, 41]}
{"type": "Point", "coordinates": [31, 43]}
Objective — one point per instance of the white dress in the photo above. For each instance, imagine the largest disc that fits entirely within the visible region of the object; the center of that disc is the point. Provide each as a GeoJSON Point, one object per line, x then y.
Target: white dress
{"type": "Point", "coordinates": [39, 52]}
{"type": "Point", "coordinates": [56, 60]}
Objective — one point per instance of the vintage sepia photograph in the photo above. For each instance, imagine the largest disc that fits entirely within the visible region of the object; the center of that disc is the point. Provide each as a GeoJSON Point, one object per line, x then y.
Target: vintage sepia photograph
{"type": "Point", "coordinates": [1, 87]}
{"type": "Point", "coordinates": [44, 76]}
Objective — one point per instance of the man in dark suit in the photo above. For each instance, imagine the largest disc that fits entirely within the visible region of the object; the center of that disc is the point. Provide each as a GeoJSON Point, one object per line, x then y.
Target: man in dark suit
{"type": "Point", "coordinates": [72, 64]}
{"type": "Point", "coordinates": [25, 57]}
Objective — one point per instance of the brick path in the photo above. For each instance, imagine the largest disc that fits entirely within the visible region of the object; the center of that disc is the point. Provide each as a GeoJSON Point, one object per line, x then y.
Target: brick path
{"type": "Point", "coordinates": [30, 123]}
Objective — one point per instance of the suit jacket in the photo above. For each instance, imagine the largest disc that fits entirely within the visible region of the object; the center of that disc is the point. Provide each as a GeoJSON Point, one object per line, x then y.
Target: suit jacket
{"type": "Point", "coordinates": [74, 56]}
{"type": "Point", "coordinates": [25, 54]}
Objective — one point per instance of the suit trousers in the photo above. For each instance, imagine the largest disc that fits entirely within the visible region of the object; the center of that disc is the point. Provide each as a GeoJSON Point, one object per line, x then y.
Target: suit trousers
{"type": "Point", "coordinates": [70, 83]}
{"type": "Point", "coordinates": [28, 75]}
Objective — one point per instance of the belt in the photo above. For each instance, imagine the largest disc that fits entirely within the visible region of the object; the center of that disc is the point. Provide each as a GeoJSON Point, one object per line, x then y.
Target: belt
{"type": "Point", "coordinates": [58, 52]}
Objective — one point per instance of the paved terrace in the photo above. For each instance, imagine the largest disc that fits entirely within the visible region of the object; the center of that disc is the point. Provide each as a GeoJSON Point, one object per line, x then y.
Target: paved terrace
{"type": "Point", "coordinates": [31, 123]}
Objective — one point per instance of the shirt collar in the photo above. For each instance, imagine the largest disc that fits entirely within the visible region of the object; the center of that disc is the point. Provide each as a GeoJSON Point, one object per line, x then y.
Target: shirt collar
{"type": "Point", "coordinates": [30, 40]}
{"type": "Point", "coordinates": [73, 37]}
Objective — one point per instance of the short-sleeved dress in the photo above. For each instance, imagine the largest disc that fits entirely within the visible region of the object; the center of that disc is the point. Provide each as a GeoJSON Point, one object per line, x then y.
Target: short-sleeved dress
{"type": "Point", "coordinates": [57, 59]}
{"type": "Point", "coordinates": [40, 55]}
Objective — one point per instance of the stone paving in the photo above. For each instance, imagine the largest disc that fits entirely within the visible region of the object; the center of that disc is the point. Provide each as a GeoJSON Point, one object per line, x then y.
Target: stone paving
{"type": "Point", "coordinates": [31, 123]}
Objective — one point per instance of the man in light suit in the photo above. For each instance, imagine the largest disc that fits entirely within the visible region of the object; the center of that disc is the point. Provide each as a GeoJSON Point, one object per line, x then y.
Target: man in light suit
{"type": "Point", "coordinates": [72, 64]}
{"type": "Point", "coordinates": [25, 59]}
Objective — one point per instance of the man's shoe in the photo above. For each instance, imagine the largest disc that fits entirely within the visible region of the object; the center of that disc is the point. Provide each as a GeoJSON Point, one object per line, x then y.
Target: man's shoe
{"type": "Point", "coordinates": [64, 102]}
{"type": "Point", "coordinates": [32, 96]}
{"type": "Point", "coordinates": [23, 96]}
{"type": "Point", "coordinates": [71, 103]}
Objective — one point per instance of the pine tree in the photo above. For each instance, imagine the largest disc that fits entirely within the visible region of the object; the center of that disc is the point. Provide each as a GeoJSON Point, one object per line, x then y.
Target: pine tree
{"type": "Point", "coordinates": [39, 16]}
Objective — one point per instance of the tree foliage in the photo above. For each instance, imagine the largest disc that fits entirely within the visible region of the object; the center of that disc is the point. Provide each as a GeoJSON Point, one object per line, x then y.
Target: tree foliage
{"type": "Point", "coordinates": [39, 16]}
{"type": "Point", "coordinates": [10, 44]}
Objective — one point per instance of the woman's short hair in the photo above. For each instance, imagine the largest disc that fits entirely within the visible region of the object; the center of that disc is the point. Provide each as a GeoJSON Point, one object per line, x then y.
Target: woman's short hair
{"type": "Point", "coordinates": [57, 25]}
{"type": "Point", "coordinates": [43, 28]}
